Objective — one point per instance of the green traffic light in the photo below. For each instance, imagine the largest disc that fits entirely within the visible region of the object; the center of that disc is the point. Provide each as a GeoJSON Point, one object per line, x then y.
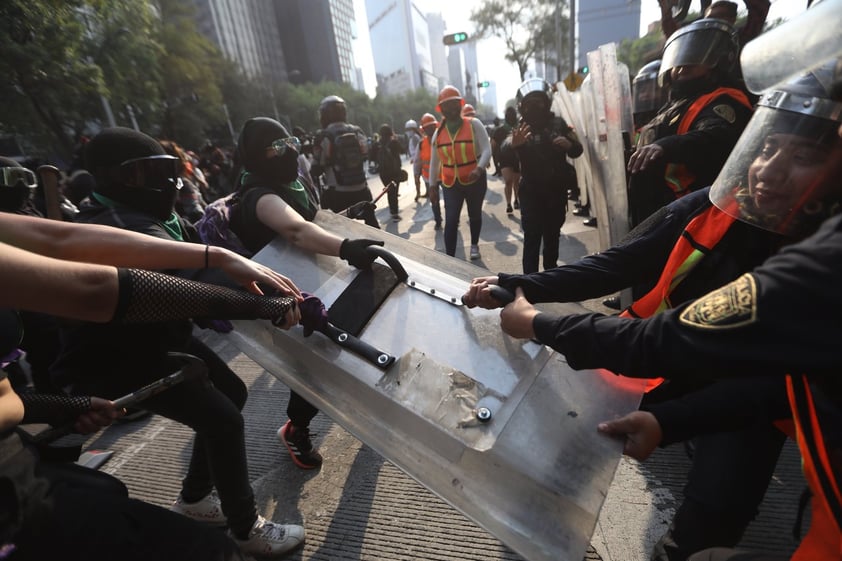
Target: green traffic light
{"type": "Point", "coordinates": [484, 84]}
{"type": "Point", "coordinates": [454, 38]}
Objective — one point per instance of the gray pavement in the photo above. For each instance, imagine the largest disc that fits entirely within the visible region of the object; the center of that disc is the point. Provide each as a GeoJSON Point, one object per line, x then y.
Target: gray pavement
{"type": "Point", "coordinates": [360, 507]}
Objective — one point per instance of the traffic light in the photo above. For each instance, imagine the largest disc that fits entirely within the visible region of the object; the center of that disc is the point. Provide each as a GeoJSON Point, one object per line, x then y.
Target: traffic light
{"type": "Point", "coordinates": [584, 70]}
{"type": "Point", "coordinates": [454, 38]}
{"type": "Point", "coordinates": [484, 84]}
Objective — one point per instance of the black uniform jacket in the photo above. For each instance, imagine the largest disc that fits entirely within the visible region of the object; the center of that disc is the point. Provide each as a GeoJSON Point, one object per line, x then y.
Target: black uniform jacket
{"type": "Point", "coordinates": [781, 318]}
{"type": "Point", "coordinates": [639, 259]}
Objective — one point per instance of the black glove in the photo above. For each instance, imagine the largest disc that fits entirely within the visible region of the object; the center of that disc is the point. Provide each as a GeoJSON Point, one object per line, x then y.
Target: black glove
{"type": "Point", "coordinates": [359, 210]}
{"type": "Point", "coordinates": [353, 251]}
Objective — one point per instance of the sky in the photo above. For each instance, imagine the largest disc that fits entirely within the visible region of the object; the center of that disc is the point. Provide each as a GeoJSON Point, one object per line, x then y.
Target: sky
{"type": "Point", "coordinates": [491, 52]}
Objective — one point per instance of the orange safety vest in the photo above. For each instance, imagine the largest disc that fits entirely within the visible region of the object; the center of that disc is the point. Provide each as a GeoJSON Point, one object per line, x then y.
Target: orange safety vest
{"type": "Point", "coordinates": [458, 155]}
{"type": "Point", "coordinates": [824, 539]}
{"type": "Point", "coordinates": [425, 152]}
{"type": "Point", "coordinates": [696, 241]}
{"type": "Point", "coordinates": [677, 176]}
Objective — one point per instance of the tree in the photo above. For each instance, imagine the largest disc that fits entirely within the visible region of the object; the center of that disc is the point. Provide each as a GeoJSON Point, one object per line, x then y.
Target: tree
{"type": "Point", "coordinates": [527, 27]}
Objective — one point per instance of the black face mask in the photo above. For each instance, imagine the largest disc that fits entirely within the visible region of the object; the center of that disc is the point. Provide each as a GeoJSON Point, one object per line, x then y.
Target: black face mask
{"type": "Point", "coordinates": [280, 169]}
{"type": "Point", "coordinates": [13, 199]}
{"type": "Point", "coordinates": [536, 117]}
{"type": "Point", "coordinates": [690, 88]}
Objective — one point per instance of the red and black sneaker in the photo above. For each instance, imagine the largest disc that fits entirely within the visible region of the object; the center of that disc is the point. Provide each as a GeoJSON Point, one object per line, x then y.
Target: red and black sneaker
{"type": "Point", "coordinates": [297, 441]}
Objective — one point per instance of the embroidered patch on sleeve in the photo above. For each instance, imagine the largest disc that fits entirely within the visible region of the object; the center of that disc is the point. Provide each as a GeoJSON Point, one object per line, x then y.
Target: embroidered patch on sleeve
{"type": "Point", "coordinates": [733, 305]}
{"type": "Point", "coordinates": [726, 112]}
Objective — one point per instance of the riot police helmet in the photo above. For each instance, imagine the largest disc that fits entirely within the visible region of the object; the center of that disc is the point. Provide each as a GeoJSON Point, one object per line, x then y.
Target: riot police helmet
{"type": "Point", "coordinates": [534, 88]}
{"type": "Point", "coordinates": [785, 173]}
{"type": "Point", "coordinates": [710, 43]}
{"type": "Point", "coordinates": [332, 110]}
{"type": "Point", "coordinates": [648, 94]}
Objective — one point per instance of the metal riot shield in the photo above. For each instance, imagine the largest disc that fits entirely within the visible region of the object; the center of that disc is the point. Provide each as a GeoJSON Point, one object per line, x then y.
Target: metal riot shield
{"type": "Point", "coordinates": [565, 105]}
{"type": "Point", "coordinates": [611, 106]}
{"type": "Point", "coordinates": [502, 429]}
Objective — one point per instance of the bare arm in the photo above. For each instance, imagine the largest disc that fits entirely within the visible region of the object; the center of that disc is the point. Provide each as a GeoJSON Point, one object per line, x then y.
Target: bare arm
{"type": "Point", "coordinates": [11, 407]}
{"type": "Point", "coordinates": [62, 288]}
{"type": "Point", "coordinates": [283, 219]}
{"type": "Point", "coordinates": [122, 248]}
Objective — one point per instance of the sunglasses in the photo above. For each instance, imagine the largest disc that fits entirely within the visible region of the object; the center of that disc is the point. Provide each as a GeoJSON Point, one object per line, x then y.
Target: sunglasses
{"type": "Point", "coordinates": [279, 147]}
{"type": "Point", "coordinates": [9, 177]}
{"type": "Point", "coordinates": [152, 172]}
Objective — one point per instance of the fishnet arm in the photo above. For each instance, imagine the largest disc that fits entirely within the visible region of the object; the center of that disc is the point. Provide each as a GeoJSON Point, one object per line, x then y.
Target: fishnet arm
{"type": "Point", "coordinates": [146, 296]}
{"type": "Point", "coordinates": [54, 409]}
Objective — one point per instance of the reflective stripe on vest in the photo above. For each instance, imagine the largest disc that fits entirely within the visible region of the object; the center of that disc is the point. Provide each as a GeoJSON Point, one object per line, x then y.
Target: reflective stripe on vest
{"type": "Point", "coordinates": [677, 176]}
{"type": "Point", "coordinates": [425, 152]}
{"type": "Point", "coordinates": [824, 539]}
{"type": "Point", "coordinates": [457, 155]}
{"type": "Point", "coordinates": [696, 241]}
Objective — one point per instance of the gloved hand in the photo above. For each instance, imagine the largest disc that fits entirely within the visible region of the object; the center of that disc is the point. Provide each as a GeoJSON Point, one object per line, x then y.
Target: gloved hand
{"type": "Point", "coordinates": [313, 314]}
{"type": "Point", "coordinates": [358, 210]}
{"type": "Point", "coordinates": [353, 251]}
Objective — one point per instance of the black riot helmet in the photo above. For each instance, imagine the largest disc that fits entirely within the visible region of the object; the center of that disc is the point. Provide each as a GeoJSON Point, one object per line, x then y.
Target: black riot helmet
{"type": "Point", "coordinates": [534, 87]}
{"type": "Point", "coordinates": [332, 110]}
{"type": "Point", "coordinates": [534, 99]}
{"type": "Point", "coordinates": [711, 43]}
{"type": "Point", "coordinates": [134, 170]}
{"type": "Point", "coordinates": [785, 173]}
{"type": "Point", "coordinates": [648, 94]}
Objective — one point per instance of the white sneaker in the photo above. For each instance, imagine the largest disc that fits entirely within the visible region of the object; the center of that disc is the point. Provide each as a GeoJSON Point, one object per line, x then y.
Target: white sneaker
{"type": "Point", "coordinates": [474, 252]}
{"type": "Point", "coordinates": [268, 538]}
{"type": "Point", "coordinates": [207, 510]}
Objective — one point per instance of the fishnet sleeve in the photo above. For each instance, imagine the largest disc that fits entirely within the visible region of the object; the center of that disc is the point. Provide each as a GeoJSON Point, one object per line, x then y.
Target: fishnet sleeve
{"type": "Point", "coordinates": [146, 296]}
{"type": "Point", "coordinates": [54, 409]}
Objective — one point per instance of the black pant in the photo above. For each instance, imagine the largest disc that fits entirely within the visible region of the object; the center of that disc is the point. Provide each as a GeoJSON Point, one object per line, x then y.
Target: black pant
{"type": "Point", "coordinates": [542, 215]}
{"type": "Point", "coordinates": [212, 409]}
{"type": "Point", "coordinates": [86, 515]}
{"type": "Point", "coordinates": [299, 410]}
{"type": "Point", "coordinates": [337, 201]}
{"type": "Point", "coordinates": [725, 486]}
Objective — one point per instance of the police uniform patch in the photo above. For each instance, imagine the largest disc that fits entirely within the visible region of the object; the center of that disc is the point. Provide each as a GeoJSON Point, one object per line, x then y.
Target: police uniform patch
{"type": "Point", "coordinates": [733, 305]}
{"type": "Point", "coordinates": [726, 112]}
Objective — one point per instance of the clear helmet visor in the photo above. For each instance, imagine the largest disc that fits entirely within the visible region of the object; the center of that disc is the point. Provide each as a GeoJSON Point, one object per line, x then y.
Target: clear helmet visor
{"type": "Point", "coordinates": [709, 43]}
{"type": "Point", "coordinates": [785, 173]}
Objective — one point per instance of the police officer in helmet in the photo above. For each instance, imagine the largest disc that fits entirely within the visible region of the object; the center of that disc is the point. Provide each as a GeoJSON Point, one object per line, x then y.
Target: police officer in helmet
{"type": "Point", "coordinates": [542, 142]}
{"type": "Point", "coordinates": [685, 145]}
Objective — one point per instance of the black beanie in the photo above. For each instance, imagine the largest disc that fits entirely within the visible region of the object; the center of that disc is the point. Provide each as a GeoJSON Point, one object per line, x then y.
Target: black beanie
{"type": "Point", "coordinates": [8, 163]}
{"type": "Point", "coordinates": [258, 134]}
{"type": "Point", "coordinates": [112, 147]}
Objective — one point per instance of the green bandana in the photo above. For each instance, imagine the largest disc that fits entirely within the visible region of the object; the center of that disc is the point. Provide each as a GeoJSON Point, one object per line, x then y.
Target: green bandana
{"type": "Point", "coordinates": [172, 225]}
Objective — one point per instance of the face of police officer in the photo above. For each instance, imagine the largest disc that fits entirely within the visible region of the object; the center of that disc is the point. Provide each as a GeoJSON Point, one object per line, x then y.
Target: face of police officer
{"type": "Point", "coordinates": [792, 172]}
{"type": "Point", "coordinates": [451, 109]}
{"type": "Point", "coordinates": [535, 109]}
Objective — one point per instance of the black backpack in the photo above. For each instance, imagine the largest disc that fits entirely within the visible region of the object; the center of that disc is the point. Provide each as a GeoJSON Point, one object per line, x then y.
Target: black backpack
{"type": "Point", "coordinates": [347, 156]}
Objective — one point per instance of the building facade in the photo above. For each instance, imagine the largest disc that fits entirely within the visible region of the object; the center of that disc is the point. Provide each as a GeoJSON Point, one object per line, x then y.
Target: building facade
{"type": "Point", "coordinates": [605, 21]}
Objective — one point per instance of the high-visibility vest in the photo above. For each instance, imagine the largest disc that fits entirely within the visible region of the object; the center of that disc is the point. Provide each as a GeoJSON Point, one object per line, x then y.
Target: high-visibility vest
{"type": "Point", "coordinates": [425, 152]}
{"type": "Point", "coordinates": [678, 177]}
{"type": "Point", "coordinates": [700, 235]}
{"type": "Point", "coordinates": [457, 154]}
{"type": "Point", "coordinates": [812, 425]}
